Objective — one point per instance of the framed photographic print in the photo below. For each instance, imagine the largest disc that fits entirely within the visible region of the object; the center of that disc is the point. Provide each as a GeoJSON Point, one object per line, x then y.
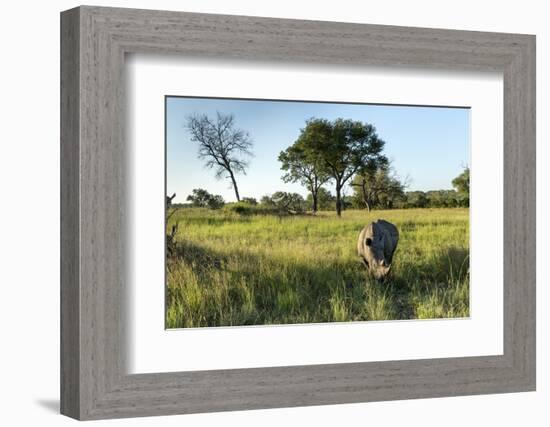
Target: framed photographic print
{"type": "Point", "coordinates": [287, 254]}
{"type": "Point", "coordinates": [262, 213]}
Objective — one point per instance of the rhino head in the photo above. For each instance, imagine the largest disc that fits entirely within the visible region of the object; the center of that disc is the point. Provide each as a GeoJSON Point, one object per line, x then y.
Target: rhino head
{"type": "Point", "coordinates": [376, 245]}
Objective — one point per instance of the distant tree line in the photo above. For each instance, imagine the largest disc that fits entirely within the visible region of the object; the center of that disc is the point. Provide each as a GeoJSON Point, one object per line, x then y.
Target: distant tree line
{"type": "Point", "coordinates": [343, 153]}
{"type": "Point", "coordinates": [285, 202]}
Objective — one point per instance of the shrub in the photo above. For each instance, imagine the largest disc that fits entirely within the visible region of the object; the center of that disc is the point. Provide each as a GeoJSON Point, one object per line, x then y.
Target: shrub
{"type": "Point", "coordinates": [250, 200]}
{"type": "Point", "coordinates": [288, 202]}
{"type": "Point", "coordinates": [241, 208]}
{"type": "Point", "coordinates": [203, 199]}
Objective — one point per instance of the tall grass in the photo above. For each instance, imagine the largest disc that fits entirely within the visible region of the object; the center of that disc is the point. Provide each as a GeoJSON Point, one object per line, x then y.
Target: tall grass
{"type": "Point", "coordinates": [230, 269]}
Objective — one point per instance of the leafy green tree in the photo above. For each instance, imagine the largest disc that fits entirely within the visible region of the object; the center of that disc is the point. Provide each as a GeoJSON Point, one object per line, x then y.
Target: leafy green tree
{"type": "Point", "coordinates": [202, 198]}
{"type": "Point", "coordinates": [221, 144]}
{"type": "Point", "coordinates": [377, 188]}
{"type": "Point", "coordinates": [416, 199]}
{"type": "Point", "coordinates": [288, 202]}
{"type": "Point", "coordinates": [343, 148]}
{"type": "Point", "coordinates": [462, 182]}
{"type": "Point", "coordinates": [199, 197]}
{"type": "Point", "coordinates": [462, 185]}
{"type": "Point", "coordinates": [463, 200]}
{"type": "Point", "coordinates": [346, 202]}
{"type": "Point", "coordinates": [267, 201]}
{"type": "Point", "coordinates": [216, 202]}
{"type": "Point", "coordinates": [443, 198]}
{"type": "Point", "coordinates": [325, 200]}
{"type": "Point", "coordinates": [436, 199]}
{"type": "Point", "coordinates": [302, 166]}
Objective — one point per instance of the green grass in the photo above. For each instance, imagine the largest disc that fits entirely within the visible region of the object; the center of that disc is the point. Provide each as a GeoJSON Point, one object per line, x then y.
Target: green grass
{"type": "Point", "coordinates": [230, 269]}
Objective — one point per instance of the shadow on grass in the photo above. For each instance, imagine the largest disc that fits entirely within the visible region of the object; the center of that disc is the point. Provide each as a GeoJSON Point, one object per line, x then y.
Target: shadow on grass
{"type": "Point", "coordinates": [211, 221]}
{"type": "Point", "coordinates": [434, 279]}
{"type": "Point", "coordinates": [244, 217]}
{"type": "Point", "coordinates": [245, 288]}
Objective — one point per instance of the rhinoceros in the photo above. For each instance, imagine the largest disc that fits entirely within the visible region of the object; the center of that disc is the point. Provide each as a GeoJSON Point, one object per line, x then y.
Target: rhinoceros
{"type": "Point", "coordinates": [376, 245]}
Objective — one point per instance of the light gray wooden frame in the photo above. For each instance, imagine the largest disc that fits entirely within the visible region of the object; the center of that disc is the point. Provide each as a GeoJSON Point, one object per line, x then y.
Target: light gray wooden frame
{"type": "Point", "coordinates": [94, 382]}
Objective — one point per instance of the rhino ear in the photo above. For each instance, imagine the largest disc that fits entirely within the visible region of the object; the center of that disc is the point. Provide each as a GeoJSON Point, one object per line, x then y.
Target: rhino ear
{"type": "Point", "coordinates": [368, 242]}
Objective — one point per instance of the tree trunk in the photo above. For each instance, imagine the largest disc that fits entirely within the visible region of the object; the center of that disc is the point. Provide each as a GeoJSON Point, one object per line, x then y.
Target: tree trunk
{"type": "Point", "coordinates": [365, 196]}
{"type": "Point", "coordinates": [367, 205]}
{"type": "Point", "coordinates": [338, 200]}
{"type": "Point", "coordinates": [315, 204]}
{"type": "Point", "coordinates": [314, 196]}
{"type": "Point", "coordinates": [234, 185]}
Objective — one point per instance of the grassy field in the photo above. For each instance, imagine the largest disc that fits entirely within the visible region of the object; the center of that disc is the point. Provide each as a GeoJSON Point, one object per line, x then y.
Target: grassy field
{"type": "Point", "coordinates": [230, 269]}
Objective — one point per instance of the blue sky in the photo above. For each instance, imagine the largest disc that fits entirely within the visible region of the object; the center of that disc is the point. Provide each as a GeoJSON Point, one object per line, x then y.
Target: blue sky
{"type": "Point", "coordinates": [430, 145]}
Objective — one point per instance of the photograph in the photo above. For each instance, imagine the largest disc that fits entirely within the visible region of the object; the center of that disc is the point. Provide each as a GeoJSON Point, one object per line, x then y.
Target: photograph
{"type": "Point", "coordinates": [285, 212]}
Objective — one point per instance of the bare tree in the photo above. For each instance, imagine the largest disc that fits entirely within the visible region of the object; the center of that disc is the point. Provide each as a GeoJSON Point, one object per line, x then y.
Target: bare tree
{"type": "Point", "coordinates": [171, 240]}
{"type": "Point", "coordinates": [169, 200]}
{"type": "Point", "coordinates": [169, 206]}
{"type": "Point", "coordinates": [221, 144]}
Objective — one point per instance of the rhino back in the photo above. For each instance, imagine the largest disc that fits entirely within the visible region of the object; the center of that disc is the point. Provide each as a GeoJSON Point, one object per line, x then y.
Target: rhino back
{"type": "Point", "coordinates": [391, 237]}
{"type": "Point", "coordinates": [388, 227]}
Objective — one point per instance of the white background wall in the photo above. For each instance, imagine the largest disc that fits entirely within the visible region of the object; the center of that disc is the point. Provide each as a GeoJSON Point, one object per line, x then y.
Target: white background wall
{"type": "Point", "coordinates": [29, 214]}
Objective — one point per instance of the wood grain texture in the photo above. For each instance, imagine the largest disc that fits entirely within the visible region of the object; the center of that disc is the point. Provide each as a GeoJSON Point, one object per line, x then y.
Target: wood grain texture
{"type": "Point", "coordinates": [94, 269]}
{"type": "Point", "coordinates": [70, 292]}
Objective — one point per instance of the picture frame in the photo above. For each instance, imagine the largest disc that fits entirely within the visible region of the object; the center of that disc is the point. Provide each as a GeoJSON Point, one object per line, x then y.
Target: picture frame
{"type": "Point", "coordinates": [94, 381]}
